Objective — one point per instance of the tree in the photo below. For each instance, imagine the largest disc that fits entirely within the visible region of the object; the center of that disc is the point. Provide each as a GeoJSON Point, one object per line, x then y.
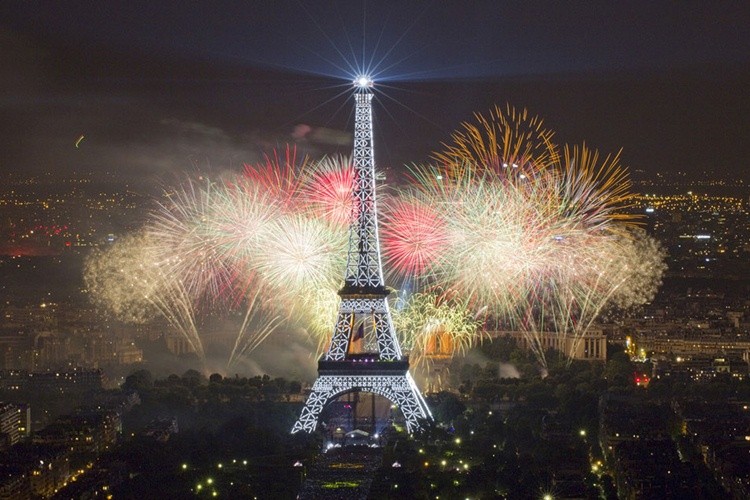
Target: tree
{"type": "Point", "coordinates": [295, 387]}
{"type": "Point", "coordinates": [193, 378]}
{"type": "Point", "coordinates": [282, 384]}
{"type": "Point", "coordinates": [448, 407]}
{"type": "Point", "coordinates": [140, 380]}
{"type": "Point", "coordinates": [619, 371]}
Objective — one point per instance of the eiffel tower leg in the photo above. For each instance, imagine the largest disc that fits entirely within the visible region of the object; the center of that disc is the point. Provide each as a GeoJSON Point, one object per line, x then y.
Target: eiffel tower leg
{"type": "Point", "coordinates": [410, 402]}
{"type": "Point", "coordinates": [319, 397]}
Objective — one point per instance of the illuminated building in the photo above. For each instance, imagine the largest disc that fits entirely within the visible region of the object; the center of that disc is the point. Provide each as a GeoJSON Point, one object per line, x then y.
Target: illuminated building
{"type": "Point", "coordinates": [591, 346]}
{"type": "Point", "coordinates": [9, 419]}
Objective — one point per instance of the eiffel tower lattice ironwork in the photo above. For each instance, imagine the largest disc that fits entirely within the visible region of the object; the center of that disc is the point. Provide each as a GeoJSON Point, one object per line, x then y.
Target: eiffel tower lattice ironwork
{"type": "Point", "coordinates": [364, 354]}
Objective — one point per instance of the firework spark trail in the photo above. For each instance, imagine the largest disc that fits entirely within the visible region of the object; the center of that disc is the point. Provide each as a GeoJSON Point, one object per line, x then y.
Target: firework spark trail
{"type": "Point", "coordinates": [280, 177]}
{"type": "Point", "coordinates": [597, 192]}
{"type": "Point", "coordinates": [301, 254]}
{"type": "Point", "coordinates": [129, 280]}
{"type": "Point", "coordinates": [509, 139]}
{"type": "Point", "coordinates": [174, 303]}
{"type": "Point", "coordinates": [184, 240]}
{"type": "Point", "coordinates": [431, 325]}
{"type": "Point", "coordinates": [413, 232]}
{"type": "Point", "coordinates": [263, 324]}
{"type": "Point", "coordinates": [328, 190]}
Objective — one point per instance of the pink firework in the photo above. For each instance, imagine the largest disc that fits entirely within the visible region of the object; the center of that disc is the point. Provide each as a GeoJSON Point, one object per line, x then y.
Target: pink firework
{"type": "Point", "coordinates": [328, 190]}
{"type": "Point", "coordinates": [279, 176]}
{"type": "Point", "coordinates": [413, 236]}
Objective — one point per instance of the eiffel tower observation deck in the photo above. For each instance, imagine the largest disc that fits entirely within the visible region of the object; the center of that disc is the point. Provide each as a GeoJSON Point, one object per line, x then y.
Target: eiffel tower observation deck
{"type": "Point", "coordinates": [364, 354]}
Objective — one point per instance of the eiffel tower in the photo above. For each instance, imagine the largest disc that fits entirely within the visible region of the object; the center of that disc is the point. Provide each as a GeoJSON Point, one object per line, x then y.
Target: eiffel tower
{"type": "Point", "coordinates": [364, 354]}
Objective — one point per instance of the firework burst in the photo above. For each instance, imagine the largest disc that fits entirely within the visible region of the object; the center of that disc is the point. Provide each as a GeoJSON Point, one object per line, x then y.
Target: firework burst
{"type": "Point", "coordinates": [279, 176]}
{"type": "Point", "coordinates": [413, 235]}
{"type": "Point", "coordinates": [135, 284]}
{"type": "Point", "coordinates": [277, 230]}
{"type": "Point", "coordinates": [537, 239]}
{"type": "Point", "coordinates": [433, 326]}
{"type": "Point", "coordinates": [328, 190]}
{"type": "Point", "coordinates": [505, 141]}
{"type": "Point", "coordinates": [182, 237]}
{"type": "Point", "coordinates": [300, 254]}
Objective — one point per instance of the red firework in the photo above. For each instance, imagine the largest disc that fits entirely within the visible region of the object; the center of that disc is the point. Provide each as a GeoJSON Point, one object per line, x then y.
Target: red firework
{"type": "Point", "coordinates": [329, 190]}
{"type": "Point", "coordinates": [279, 176]}
{"type": "Point", "coordinates": [413, 236]}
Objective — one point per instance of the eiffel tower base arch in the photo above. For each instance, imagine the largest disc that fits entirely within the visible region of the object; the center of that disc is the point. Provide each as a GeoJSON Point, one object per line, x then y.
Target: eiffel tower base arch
{"type": "Point", "coordinates": [399, 389]}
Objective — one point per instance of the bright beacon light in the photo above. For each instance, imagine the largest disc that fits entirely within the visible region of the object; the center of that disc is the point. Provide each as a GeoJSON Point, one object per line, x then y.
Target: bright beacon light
{"type": "Point", "coordinates": [363, 82]}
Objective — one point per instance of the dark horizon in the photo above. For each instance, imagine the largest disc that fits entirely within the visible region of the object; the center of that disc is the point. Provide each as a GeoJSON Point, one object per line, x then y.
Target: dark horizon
{"type": "Point", "coordinates": [152, 107]}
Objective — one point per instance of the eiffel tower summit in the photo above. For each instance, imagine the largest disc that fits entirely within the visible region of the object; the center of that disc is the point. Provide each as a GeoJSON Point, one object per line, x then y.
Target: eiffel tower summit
{"type": "Point", "coordinates": [364, 354]}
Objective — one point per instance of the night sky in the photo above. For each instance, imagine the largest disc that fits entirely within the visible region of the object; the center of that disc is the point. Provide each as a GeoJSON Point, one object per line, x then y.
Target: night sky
{"type": "Point", "coordinates": [159, 88]}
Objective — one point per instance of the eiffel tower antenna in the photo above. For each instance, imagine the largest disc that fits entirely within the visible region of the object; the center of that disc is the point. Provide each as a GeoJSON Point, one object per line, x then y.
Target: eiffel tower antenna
{"type": "Point", "coordinates": [364, 354]}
